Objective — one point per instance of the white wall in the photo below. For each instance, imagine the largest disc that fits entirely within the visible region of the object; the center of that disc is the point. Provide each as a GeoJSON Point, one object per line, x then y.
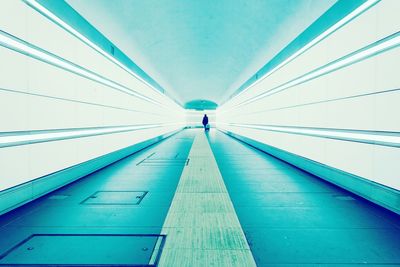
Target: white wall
{"type": "Point", "coordinates": [354, 97]}
{"type": "Point", "coordinates": [35, 95]}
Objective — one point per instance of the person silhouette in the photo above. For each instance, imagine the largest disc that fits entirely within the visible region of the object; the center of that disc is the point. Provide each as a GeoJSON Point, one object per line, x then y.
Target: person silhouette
{"type": "Point", "coordinates": [205, 123]}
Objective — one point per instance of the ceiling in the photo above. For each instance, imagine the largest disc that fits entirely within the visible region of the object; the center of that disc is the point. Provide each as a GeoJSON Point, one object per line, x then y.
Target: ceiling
{"type": "Point", "coordinates": [201, 49]}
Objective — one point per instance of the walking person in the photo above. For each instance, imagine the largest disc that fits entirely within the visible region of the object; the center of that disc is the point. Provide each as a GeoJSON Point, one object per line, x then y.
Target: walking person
{"type": "Point", "coordinates": [205, 123]}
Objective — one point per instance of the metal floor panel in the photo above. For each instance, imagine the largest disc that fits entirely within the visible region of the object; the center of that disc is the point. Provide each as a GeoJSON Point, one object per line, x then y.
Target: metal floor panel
{"type": "Point", "coordinates": [81, 250]}
{"type": "Point", "coordinates": [115, 198]}
{"type": "Point", "coordinates": [291, 218]}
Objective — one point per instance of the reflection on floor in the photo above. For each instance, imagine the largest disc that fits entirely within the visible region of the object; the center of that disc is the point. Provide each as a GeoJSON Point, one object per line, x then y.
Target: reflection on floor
{"type": "Point", "coordinates": [113, 216]}
{"type": "Point", "coordinates": [116, 215]}
{"type": "Point", "coordinates": [292, 218]}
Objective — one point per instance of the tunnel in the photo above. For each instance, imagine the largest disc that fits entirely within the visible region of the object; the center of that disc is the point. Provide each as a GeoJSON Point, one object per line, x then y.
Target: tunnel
{"type": "Point", "coordinates": [200, 133]}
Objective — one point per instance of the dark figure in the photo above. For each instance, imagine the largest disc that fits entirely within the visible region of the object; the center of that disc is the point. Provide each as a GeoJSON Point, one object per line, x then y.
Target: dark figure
{"type": "Point", "coordinates": [205, 123]}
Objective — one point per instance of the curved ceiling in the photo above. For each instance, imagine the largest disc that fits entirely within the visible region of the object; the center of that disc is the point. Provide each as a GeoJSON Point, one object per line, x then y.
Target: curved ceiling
{"type": "Point", "coordinates": [200, 104]}
{"type": "Point", "coordinates": [201, 49]}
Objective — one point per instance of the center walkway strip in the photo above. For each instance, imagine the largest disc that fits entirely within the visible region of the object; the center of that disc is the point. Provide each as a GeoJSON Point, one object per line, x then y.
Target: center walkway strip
{"type": "Point", "coordinates": [201, 226]}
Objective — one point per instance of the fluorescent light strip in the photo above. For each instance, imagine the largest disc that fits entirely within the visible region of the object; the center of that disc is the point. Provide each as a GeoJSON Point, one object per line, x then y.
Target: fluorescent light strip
{"type": "Point", "coordinates": [23, 138]}
{"type": "Point", "coordinates": [26, 48]}
{"type": "Point", "coordinates": [41, 9]}
{"type": "Point", "coordinates": [370, 137]}
{"type": "Point", "coordinates": [335, 65]}
{"type": "Point", "coordinates": [47, 13]}
{"type": "Point", "coordinates": [74, 32]}
{"type": "Point", "coordinates": [362, 8]}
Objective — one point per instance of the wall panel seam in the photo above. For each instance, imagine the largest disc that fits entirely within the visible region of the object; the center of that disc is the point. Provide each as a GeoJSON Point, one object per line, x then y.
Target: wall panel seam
{"type": "Point", "coordinates": [321, 102]}
{"type": "Point", "coordinates": [76, 101]}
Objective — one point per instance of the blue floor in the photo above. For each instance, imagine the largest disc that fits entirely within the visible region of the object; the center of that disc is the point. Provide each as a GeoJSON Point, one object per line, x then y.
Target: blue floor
{"type": "Point", "coordinates": [73, 209]}
{"type": "Point", "coordinates": [292, 218]}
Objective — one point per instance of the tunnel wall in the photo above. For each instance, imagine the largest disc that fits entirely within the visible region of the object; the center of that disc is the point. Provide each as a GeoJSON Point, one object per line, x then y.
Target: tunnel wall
{"type": "Point", "coordinates": [64, 103]}
{"type": "Point", "coordinates": [335, 105]}
{"type": "Point", "coordinates": [194, 118]}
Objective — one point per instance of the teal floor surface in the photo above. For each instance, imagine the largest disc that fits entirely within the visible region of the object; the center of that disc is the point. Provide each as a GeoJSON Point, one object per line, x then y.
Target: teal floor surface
{"type": "Point", "coordinates": [292, 218]}
{"type": "Point", "coordinates": [289, 217]}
